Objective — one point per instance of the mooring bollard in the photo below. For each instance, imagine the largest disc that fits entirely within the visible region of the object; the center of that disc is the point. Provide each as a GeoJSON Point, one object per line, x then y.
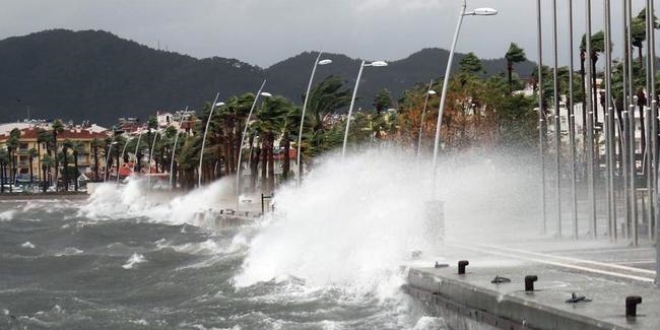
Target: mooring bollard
{"type": "Point", "coordinates": [631, 305]}
{"type": "Point", "coordinates": [529, 282]}
{"type": "Point", "coordinates": [461, 266]}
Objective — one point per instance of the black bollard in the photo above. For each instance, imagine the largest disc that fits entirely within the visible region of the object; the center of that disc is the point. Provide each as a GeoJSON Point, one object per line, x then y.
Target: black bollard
{"type": "Point", "coordinates": [631, 305]}
{"type": "Point", "coordinates": [461, 266]}
{"type": "Point", "coordinates": [529, 282]}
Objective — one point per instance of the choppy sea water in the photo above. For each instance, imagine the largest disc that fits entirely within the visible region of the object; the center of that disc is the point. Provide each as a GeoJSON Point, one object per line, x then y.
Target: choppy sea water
{"type": "Point", "coordinates": [64, 270]}
{"type": "Point", "coordinates": [333, 255]}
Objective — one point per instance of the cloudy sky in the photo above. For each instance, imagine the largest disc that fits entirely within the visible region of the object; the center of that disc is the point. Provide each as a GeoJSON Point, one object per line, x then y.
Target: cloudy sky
{"type": "Point", "coordinates": [264, 32]}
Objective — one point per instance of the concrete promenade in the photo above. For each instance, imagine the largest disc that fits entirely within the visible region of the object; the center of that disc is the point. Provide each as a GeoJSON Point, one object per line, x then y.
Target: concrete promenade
{"type": "Point", "coordinates": [601, 279]}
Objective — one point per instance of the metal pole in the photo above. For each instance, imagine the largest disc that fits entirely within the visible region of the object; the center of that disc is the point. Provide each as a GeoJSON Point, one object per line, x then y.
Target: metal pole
{"type": "Point", "coordinates": [625, 136]}
{"type": "Point", "coordinates": [107, 157]}
{"type": "Point", "coordinates": [302, 119]}
{"type": "Point", "coordinates": [649, 119]}
{"type": "Point", "coordinates": [443, 96]}
{"type": "Point", "coordinates": [176, 139]}
{"type": "Point", "coordinates": [123, 151]}
{"type": "Point", "coordinates": [541, 117]}
{"type": "Point", "coordinates": [421, 123]}
{"type": "Point", "coordinates": [632, 165]}
{"type": "Point", "coordinates": [350, 109]}
{"type": "Point", "coordinates": [571, 122]}
{"type": "Point", "coordinates": [151, 156]}
{"type": "Point", "coordinates": [240, 146]}
{"type": "Point", "coordinates": [137, 146]}
{"type": "Point", "coordinates": [590, 128]}
{"type": "Point", "coordinates": [608, 123]}
{"type": "Point", "coordinates": [206, 130]}
{"type": "Point", "coordinates": [557, 112]}
{"type": "Point", "coordinates": [651, 42]}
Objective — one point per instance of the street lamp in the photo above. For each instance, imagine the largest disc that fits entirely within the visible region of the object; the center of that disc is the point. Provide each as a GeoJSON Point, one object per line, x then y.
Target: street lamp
{"type": "Point", "coordinates": [429, 92]}
{"type": "Point", "coordinates": [206, 129]}
{"type": "Point", "coordinates": [176, 139]}
{"type": "Point", "coordinates": [350, 109]}
{"type": "Point", "coordinates": [302, 118]}
{"type": "Point", "coordinates": [240, 146]}
{"type": "Point", "coordinates": [476, 12]}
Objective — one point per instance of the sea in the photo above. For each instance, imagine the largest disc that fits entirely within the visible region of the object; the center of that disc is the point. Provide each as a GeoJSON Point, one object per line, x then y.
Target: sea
{"type": "Point", "coordinates": [330, 253]}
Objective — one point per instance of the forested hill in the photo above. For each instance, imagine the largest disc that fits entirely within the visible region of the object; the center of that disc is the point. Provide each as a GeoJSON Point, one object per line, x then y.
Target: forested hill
{"type": "Point", "coordinates": [97, 76]}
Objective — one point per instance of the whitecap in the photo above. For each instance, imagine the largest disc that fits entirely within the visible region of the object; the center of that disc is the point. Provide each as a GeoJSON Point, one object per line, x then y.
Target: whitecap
{"type": "Point", "coordinates": [135, 259]}
{"type": "Point", "coordinates": [28, 245]}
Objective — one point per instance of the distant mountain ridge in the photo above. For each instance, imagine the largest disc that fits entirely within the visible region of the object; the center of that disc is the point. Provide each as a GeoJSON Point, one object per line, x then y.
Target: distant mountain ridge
{"type": "Point", "coordinates": [97, 76]}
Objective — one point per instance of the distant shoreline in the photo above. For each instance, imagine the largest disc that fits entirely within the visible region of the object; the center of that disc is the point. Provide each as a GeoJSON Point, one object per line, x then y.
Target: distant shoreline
{"type": "Point", "coordinates": [48, 195]}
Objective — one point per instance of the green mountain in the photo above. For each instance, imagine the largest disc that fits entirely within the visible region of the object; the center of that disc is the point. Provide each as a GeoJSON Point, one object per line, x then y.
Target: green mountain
{"type": "Point", "coordinates": [97, 76]}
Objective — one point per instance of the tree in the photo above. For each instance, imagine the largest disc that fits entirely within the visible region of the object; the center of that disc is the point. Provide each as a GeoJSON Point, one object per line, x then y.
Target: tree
{"type": "Point", "coordinates": [597, 46]}
{"type": "Point", "coordinates": [470, 63]}
{"type": "Point", "coordinates": [4, 160]}
{"type": "Point", "coordinates": [46, 164]}
{"type": "Point", "coordinates": [77, 148]}
{"type": "Point", "coordinates": [12, 147]}
{"type": "Point", "coordinates": [514, 55]}
{"type": "Point", "coordinates": [638, 32]}
{"type": "Point", "coordinates": [57, 128]}
{"type": "Point", "coordinates": [66, 146]}
{"type": "Point", "coordinates": [96, 144]}
{"type": "Point", "coordinates": [271, 117]}
{"type": "Point", "coordinates": [32, 153]}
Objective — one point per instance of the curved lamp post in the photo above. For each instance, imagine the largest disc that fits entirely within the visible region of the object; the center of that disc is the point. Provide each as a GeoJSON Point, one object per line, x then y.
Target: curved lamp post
{"type": "Point", "coordinates": [302, 118]}
{"type": "Point", "coordinates": [476, 12]}
{"type": "Point", "coordinates": [206, 129]}
{"type": "Point", "coordinates": [240, 146]}
{"type": "Point", "coordinates": [421, 124]}
{"type": "Point", "coordinates": [123, 151]}
{"type": "Point", "coordinates": [107, 159]}
{"type": "Point", "coordinates": [176, 139]}
{"type": "Point", "coordinates": [350, 109]}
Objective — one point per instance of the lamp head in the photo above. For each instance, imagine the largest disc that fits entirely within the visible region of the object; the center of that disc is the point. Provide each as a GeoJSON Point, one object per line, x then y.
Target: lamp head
{"type": "Point", "coordinates": [324, 62]}
{"type": "Point", "coordinates": [266, 94]}
{"type": "Point", "coordinates": [377, 63]}
{"type": "Point", "coordinates": [483, 12]}
{"type": "Point", "coordinates": [431, 92]}
{"type": "Point", "coordinates": [219, 104]}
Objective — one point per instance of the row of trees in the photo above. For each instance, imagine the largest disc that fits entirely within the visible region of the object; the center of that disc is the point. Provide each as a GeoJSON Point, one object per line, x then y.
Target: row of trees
{"type": "Point", "coordinates": [481, 112]}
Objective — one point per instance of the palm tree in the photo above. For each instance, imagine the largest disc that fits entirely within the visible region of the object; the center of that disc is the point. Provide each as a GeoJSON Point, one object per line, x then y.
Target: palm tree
{"type": "Point", "coordinates": [4, 160]}
{"type": "Point", "coordinates": [12, 147]}
{"type": "Point", "coordinates": [57, 129]}
{"type": "Point", "coordinates": [515, 54]}
{"type": "Point", "coordinates": [638, 32]}
{"type": "Point", "coordinates": [270, 120]}
{"type": "Point", "coordinates": [66, 146]}
{"type": "Point", "coordinates": [597, 46]}
{"type": "Point", "coordinates": [77, 148]}
{"type": "Point", "coordinates": [46, 164]}
{"type": "Point", "coordinates": [325, 100]}
{"type": "Point", "coordinates": [44, 137]}
{"type": "Point", "coordinates": [32, 153]}
{"type": "Point", "coordinates": [96, 143]}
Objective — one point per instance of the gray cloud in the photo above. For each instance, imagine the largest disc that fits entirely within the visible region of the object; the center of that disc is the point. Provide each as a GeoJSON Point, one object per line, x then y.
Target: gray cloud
{"type": "Point", "coordinates": [263, 32]}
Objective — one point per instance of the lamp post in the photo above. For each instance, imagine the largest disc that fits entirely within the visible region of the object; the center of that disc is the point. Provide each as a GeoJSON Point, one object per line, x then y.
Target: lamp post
{"type": "Point", "coordinates": [123, 151]}
{"type": "Point", "coordinates": [542, 119]}
{"type": "Point", "coordinates": [302, 118]}
{"type": "Point", "coordinates": [107, 158]}
{"type": "Point", "coordinates": [443, 95]}
{"type": "Point", "coordinates": [176, 139]}
{"type": "Point", "coordinates": [240, 146]}
{"type": "Point", "coordinates": [206, 129]}
{"type": "Point", "coordinates": [350, 109]}
{"type": "Point", "coordinates": [429, 92]}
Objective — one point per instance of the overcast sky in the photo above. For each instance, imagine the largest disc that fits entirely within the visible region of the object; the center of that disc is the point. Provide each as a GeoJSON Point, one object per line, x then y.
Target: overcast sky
{"type": "Point", "coordinates": [264, 32]}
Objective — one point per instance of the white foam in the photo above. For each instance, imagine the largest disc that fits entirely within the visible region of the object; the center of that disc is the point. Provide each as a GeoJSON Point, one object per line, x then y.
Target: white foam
{"type": "Point", "coordinates": [131, 200]}
{"type": "Point", "coordinates": [28, 245]}
{"type": "Point", "coordinates": [135, 259]}
{"type": "Point", "coordinates": [7, 215]}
